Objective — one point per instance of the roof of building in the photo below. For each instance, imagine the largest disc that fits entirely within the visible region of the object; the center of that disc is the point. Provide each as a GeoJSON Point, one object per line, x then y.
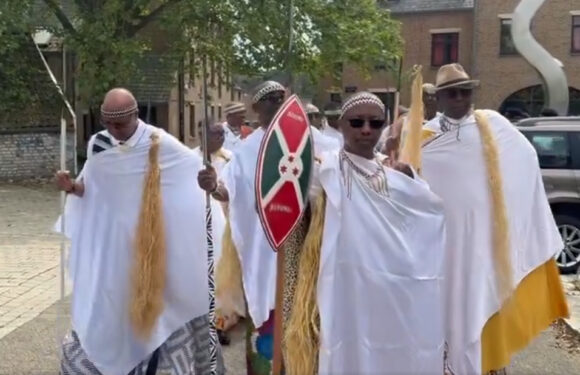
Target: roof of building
{"type": "Point", "coordinates": [412, 6]}
{"type": "Point", "coordinates": [154, 81]}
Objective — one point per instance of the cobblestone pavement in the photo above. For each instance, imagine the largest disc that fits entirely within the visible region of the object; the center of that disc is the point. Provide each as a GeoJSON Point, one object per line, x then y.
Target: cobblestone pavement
{"type": "Point", "coordinates": [29, 288]}
{"type": "Point", "coordinates": [29, 253]}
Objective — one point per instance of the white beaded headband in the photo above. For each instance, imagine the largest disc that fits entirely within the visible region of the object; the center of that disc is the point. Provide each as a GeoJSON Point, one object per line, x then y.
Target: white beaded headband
{"type": "Point", "coordinates": [269, 87]}
{"type": "Point", "coordinates": [234, 108]}
{"type": "Point", "coordinates": [362, 98]}
{"type": "Point", "coordinates": [122, 113]}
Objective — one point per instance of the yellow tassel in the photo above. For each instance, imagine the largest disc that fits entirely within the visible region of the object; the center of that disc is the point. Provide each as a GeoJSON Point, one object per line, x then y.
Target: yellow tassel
{"type": "Point", "coordinates": [148, 273]}
{"type": "Point", "coordinates": [301, 339]}
{"type": "Point", "coordinates": [229, 287]}
{"type": "Point", "coordinates": [411, 147]}
{"type": "Point", "coordinates": [501, 239]}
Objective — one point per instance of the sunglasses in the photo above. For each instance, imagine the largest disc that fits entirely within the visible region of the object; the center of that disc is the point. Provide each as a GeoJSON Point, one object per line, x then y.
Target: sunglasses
{"type": "Point", "coordinates": [358, 123]}
{"type": "Point", "coordinates": [455, 93]}
{"type": "Point", "coordinates": [274, 98]}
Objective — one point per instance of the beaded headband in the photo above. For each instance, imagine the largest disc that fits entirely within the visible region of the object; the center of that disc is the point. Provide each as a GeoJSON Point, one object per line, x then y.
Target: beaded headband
{"type": "Point", "coordinates": [362, 97]}
{"type": "Point", "coordinates": [268, 87]}
{"type": "Point", "coordinates": [234, 108]}
{"type": "Point", "coordinates": [122, 113]}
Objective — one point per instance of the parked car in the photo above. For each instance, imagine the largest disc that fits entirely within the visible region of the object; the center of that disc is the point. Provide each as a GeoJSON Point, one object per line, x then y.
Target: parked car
{"type": "Point", "coordinates": [557, 142]}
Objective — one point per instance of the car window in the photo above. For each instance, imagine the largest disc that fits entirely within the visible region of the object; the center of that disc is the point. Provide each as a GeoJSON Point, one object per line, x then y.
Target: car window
{"type": "Point", "coordinates": [575, 145]}
{"type": "Point", "coordinates": [553, 149]}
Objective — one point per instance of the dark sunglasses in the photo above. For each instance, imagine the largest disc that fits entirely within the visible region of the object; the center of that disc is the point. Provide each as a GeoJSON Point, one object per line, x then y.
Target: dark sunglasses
{"type": "Point", "coordinates": [359, 123]}
{"type": "Point", "coordinates": [455, 93]}
{"type": "Point", "coordinates": [274, 98]}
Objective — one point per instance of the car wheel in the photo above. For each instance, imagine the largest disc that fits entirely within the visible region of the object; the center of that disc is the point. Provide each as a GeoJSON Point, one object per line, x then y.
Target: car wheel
{"type": "Point", "coordinates": [568, 258]}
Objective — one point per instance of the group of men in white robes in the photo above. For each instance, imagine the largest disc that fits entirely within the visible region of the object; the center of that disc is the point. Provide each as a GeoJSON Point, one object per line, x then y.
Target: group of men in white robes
{"type": "Point", "coordinates": [446, 267]}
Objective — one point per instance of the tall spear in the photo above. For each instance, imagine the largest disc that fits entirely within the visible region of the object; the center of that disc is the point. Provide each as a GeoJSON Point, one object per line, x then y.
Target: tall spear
{"type": "Point", "coordinates": [71, 112]}
{"type": "Point", "coordinates": [278, 357]}
{"type": "Point", "coordinates": [209, 230]}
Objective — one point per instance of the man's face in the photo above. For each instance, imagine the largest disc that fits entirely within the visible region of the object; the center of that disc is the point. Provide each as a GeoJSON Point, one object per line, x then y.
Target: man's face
{"type": "Point", "coordinates": [455, 102]}
{"type": "Point", "coordinates": [267, 107]}
{"type": "Point", "coordinates": [332, 120]}
{"type": "Point", "coordinates": [362, 127]}
{"type": "Point", "coordinates": [236, 119]}
{"type": "Point", "coordinates": [121, 128]}
{"type": "Point", "coordinates": [215, 138]}
{"type": "Point", "coordinates": [315, 120]}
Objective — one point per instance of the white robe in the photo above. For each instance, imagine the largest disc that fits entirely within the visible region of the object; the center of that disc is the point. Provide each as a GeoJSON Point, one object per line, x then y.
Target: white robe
{"type": "Point", "coordinates": [231, 140]}
{"type": "Point", "coordinates": [323, 143]}
{"type": "Point", "coordinates": [454, 167]}
{"type": "Point", "coordinates": [381, 276]}
{"type": "Point", "coordinates": [333, 133]}
{"type": "Point", "coordinates": [102, 226]}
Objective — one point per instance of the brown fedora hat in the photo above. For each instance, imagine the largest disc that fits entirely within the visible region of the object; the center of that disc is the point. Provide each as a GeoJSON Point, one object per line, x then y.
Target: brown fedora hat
{"type": "Point", "coordinates": [453, 75]}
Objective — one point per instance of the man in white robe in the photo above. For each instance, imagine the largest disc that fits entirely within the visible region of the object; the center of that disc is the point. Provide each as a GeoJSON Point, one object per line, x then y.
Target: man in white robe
{"type": "Point", "coordinates": [235, 117]}
{"type": "Point", "coordinates": [219, 157]}
{"type": "Point", "coordinates": [322, 142]}
{"type": "Point", "coordinates": [330, 124]}
{"type": "Point", "coordinates": [371, 265]}
{"type": "Point", "coordinates": [138, 257]}
{"type": "Point", "coordinates": [502, 283]}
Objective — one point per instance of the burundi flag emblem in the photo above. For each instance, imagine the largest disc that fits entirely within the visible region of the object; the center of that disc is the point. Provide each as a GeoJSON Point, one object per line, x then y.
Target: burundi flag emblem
{"type": "Point", "coordinates": [283, 172]}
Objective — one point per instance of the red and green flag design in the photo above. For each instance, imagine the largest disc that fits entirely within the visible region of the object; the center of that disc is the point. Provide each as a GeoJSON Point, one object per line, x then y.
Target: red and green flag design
{"type": "Point", "coordinates": [283, 172]}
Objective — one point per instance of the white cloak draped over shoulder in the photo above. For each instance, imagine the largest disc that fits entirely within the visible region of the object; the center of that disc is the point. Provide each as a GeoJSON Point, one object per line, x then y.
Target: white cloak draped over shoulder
{"type": "Point", "coordinates": [102, 226]}
{"type": "Point", "coordinates": [455, 168]}
{"type": "Point", "coordinates": [381, 276]}
{"type": "Point", "coordinates": [257, 258]}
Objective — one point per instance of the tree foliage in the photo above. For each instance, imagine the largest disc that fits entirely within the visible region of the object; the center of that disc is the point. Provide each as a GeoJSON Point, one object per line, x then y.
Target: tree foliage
{"type": "Point", "coordinates": [251, 37]}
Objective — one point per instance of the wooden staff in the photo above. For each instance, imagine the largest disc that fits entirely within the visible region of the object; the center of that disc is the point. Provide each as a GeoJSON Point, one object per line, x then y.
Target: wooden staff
{"type": "Point", "coordinates": [213, 338]}
{"type": "Point", "coordinates": [61, 313]}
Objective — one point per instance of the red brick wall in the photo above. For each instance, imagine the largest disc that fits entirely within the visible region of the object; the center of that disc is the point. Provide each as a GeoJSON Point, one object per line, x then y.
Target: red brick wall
{"type": "Point", "coordinates": [503, 75]}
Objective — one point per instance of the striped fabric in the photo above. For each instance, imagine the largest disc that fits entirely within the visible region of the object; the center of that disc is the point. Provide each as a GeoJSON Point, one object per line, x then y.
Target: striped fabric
{"type": "Point", "coordinates": [102, 143]}
{"type": "Point", "coordinates": [186, 351]}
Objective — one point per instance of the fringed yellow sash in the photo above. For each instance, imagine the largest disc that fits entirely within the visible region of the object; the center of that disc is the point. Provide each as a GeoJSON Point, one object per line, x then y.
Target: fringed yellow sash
{"type": "Point", "coordinates": [301, 339]}
{"type": "Point", "coordinates": [148, 274]}
{"type": "Point", "coordinates": [411, 145]}
{"type": "Point", "coordinates": [501, 239]}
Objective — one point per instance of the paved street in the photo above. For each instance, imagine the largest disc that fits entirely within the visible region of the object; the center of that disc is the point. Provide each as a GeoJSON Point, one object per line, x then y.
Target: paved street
{"type": "Point", "coordinates": [29, 289]}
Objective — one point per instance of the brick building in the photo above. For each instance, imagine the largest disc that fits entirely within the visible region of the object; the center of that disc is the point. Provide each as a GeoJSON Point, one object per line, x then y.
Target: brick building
{"type": "Point", "coordinates": [475, 33]}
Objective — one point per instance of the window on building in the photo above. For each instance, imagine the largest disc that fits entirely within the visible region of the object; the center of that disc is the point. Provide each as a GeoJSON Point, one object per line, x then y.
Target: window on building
{"type": "Point", "coordinates": [506, 42]}
{"type": "Point", "coordinates": [232, 94]}
{"type": "Point", "coordinates": [576, 34]}
{"type": "Point", "coordinates": [444, 48]}
{"type": "Point", "coordinates": [212, 73]}
{"type": "Point", "coordinates": [192, 68]}
{"type": "Point", "coordinates": [148, 113]}
{"type": "Point", "coordinates": [239, 96]}
{"type": "Point", "coordinates": [220, 112]}
{"type": "Point", "coordinates": [192, 125]}
{"type": "Point", "coordinates": [553, 149]}
{"type": "Point", "coordinates": [336, 97]}
{"type": "Point", "coordinates": [213, 113]}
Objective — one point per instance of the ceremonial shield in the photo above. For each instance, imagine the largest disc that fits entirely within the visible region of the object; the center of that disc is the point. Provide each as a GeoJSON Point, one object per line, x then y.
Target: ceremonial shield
{"type": "Point", "coordinates": [284, 171]}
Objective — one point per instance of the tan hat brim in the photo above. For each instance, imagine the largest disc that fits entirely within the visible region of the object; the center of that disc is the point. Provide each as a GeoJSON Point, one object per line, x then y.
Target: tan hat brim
{"type": "Point", "coordinates": [470, 84]}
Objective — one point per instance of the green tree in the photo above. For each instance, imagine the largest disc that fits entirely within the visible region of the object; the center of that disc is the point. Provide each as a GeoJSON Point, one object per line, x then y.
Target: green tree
{"type": "Point", "coordinates": [252, 37]}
